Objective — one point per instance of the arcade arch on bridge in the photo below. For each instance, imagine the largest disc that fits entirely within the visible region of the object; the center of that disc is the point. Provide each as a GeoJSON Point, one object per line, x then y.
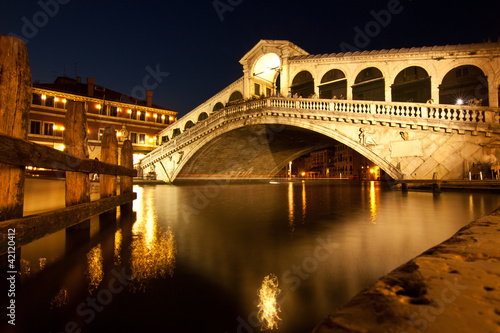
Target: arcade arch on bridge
{"type": "Point", "coordinates": [235, 97]}
{"type": "Point", "coordinates": [412, 84]}
{"type": "Point", "coordinates": [302, 84]}
{"type": "Point", "coordinates": [464, 84]}
{"type": "Point", "coordinates": [188, 125]}
{"type": "Point", "coordinates": [217, 107]}
{"type": "Point", "coordinates": [333, 85]}
{"type": "Point", "coordinates": [202, 116]}
{"type": "Point", "coordinates": [369, 85]}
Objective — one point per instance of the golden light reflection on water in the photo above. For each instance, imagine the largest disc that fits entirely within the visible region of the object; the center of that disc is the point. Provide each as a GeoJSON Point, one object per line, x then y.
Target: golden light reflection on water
{"type": "Point", "coordinates": [268, 303]}
{"type": "Point", "coordinates": [291, 206]}
{"type": "Point", "coordinates": [291, 213]}
{"type": "Point", "coordinates": [25, 267]}
{"type": "Point", "coordinates": [118, 247]}
{"type": "Point", "coordinates": [60, 299]}
{"type": "Point", "coordinates": [153, 251]}
{"type": "Point", "coordinates": [95, 269]}
{"type": "Point", "coordinates": [153, 256]}
{"type": "Point", "coordinates": [304, 202]}
{"type": "Point", "coordinates": [373, 203]}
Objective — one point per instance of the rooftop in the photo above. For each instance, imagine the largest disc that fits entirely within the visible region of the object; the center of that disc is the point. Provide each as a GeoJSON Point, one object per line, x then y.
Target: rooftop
{"type": "Point", "coordinates": [75, 87]}
{"type": "Point", "coordinates": [436, 48]}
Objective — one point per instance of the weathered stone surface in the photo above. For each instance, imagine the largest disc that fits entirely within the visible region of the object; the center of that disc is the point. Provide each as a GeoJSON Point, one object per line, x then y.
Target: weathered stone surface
{"type": "Point", "coordinates": [452, 287]}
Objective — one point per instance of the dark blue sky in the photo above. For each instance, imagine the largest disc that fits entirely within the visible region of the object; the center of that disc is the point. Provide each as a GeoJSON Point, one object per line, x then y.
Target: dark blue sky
{"type": "Point", "coordinates": [119, 43]}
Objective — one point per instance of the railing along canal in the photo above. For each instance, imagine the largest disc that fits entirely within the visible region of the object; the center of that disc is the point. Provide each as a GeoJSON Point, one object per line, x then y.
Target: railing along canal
{"type": "Point", "coordinates": [16, 153]}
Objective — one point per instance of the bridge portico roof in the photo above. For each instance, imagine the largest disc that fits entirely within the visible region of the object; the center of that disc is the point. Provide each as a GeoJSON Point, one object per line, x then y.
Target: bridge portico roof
{"type": "Point", "coordinates": [418, 50]}
{"type": "Point", "coordinates": [282, 48]}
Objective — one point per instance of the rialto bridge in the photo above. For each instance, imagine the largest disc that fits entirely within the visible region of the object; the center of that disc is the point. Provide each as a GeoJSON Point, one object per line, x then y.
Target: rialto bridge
{"type": "Point", "coordinates": [417, 113]}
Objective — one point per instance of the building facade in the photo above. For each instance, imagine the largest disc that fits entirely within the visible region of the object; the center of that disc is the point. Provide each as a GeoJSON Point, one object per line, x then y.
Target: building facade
{"type": "Point", "coordinates": [134, 119]}
{"type": "Point", "coordinates": [338, 161]}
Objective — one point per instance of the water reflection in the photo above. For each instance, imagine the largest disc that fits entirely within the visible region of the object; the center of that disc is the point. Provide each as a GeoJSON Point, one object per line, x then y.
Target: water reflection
{"type": "Point", "coordinates": [222, 252]}
{"type": "Point", "coordinates": [268, 303]}
{"type": "Point", "coordinates": [94, 270]}
{"type": "Point", "coordinates": [152, 258]}
{"type": "Point", "coordinates": [153, 251]}
{"type": "Point", "coordinates": [60, 299]}
{"type": "Point", "coordinates": [291, 212]}
{"type": "Point", "coordinates": [304, 202]}
{"type": "Point", "coordinates": [43, 262]}
{"type": "Point", "coordinates": [373, 203]}
{"type": "Point", "coordinates": [118, 247]}
{"type": "Point", "coordinates": [25, 267]}
{"type": "Point", "coordinates": [291, 205]}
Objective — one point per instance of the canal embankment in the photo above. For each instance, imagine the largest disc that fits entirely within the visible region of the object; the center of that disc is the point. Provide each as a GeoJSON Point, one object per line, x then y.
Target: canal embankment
{"type": "Point", "coordinates": [452, 287]}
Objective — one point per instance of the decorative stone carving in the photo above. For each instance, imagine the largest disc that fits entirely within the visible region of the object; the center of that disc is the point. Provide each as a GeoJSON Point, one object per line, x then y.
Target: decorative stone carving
{"type": "Point", "coordinates": [365, 137]}
{"type": "Point", "coordinates": [181, 155]}
{"type": "Point", "coordinates": [404, 135]}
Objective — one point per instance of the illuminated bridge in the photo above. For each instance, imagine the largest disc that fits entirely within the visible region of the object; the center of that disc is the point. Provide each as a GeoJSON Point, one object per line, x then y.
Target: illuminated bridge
{"type": "Point", "coordinates": [416, 113]}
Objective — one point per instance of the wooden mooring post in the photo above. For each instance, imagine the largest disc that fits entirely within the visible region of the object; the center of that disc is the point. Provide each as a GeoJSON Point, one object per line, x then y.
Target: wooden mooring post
{"type": "Point", "coordinates": [76, 143]}
{"type": "Point", "coordinates": [15, 102]}
{"type": "Point", "coordinates": [108, 183]}
{"type": "Point", "coordinates": [126, 161]}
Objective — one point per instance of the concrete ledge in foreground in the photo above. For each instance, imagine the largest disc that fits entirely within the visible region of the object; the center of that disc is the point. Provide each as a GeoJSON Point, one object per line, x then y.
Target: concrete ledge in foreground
{"type": "Point", "coordinates": [452, 287]}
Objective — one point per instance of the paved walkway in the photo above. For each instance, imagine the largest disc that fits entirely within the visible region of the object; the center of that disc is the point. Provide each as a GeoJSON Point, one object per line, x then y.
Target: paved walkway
{"type": "Point", "coordinates": [452, 287]}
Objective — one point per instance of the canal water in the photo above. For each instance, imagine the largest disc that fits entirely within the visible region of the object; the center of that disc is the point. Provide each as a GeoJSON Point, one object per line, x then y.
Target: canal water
{"type": "Point", "coordinates": [227, 258]}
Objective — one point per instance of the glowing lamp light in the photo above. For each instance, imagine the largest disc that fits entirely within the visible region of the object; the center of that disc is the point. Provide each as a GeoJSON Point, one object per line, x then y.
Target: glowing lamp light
{"type": "Point", "coordinates": [54, 127]}
{"type": "Point", "coordinates": [303, 174]}
{"type": "Point", "coordinates": [155, 116]}
{"type": "Point", "coordinates": [64, 101]}
{"type": "Point", "coordinates": [129, 111]}
{"type": "Point", "coordinates": [44, 97]}
{"type": "Point", "coordinates": [147, 114]}
{"type": "Point", "coordinates": [171, 118]}
{"type": "Point", "coordinates": [118, 109]}
{"type": "Point", "coordinates": [162, 116]}
{"type": "Point", "coordinates": [61, 128]}
{"type": "Point", "coordinates": [150, 140]}
{"type": "Point", "coordinates": [460, 101]}
{"type": "Point", "coordinates": [138, 113]}
{"type": "Point", "coordinates": [99, 106]}
{"type": "Point", "coordinates": [56, 99]}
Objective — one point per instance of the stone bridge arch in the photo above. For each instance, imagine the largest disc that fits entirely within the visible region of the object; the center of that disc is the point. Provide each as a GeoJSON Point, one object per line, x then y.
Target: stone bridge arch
{"type": "Point", "coordinates": [260, 148]}
{"type": "Point", "coordinates": [256, 139]}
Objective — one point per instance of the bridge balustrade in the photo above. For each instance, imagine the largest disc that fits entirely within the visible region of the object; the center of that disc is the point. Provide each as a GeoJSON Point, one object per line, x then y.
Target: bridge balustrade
{"type": "Point", "coordinates": [384, 111]}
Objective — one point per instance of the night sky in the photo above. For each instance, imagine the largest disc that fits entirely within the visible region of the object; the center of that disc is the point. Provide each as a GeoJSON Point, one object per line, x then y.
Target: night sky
{"type": "Point", "coordinates": [194, 47]}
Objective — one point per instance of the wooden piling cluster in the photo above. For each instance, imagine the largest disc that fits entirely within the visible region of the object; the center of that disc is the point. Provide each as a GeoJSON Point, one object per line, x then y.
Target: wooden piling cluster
{"type": "Point", "coordinates": [16, 153]}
